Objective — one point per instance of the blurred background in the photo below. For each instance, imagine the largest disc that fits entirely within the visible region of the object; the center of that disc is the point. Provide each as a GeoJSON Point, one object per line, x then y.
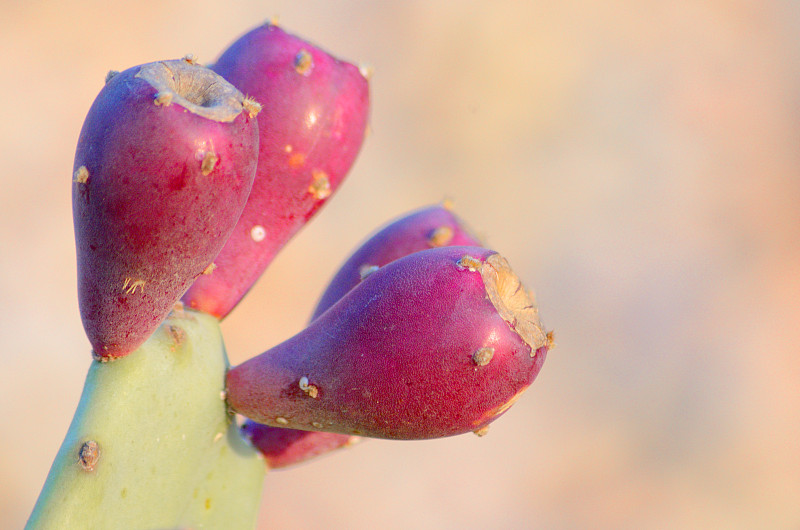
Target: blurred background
{"type": "Point", "coordinates": [636, 162]}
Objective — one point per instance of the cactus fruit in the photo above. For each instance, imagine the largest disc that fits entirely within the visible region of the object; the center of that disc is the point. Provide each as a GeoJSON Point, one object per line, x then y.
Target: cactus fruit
{"type": "Point", "coordinates": [311, 129]}
{"type": "Point", "coordinates": [164, 165]}
{"type": "Point", "coordinates": [152, 445]}
{"type": "Point", "coordinates": [437, 343]}
{"type": "Point", "coordinates": [285, 447]}
{"type": "Point", "coordinates": [429, 227]}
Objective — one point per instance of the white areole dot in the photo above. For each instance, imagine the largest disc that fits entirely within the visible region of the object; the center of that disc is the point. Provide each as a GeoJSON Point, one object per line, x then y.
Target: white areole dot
{"type": "Point", "coordinates": [258, 233]}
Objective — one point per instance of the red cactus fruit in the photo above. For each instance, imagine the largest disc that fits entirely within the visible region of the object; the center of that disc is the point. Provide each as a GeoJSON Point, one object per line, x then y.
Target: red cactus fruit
{"type": "Point", "coordinates": [437, 343]}
{"type": "Point", "coordinates": [311, 129]}
{"type": "Point", "coordinates": [429, 227]}
{"type": "Point", "coordinates": [286, 447]}
{"type": "Point", "coordinates": [164, 164]}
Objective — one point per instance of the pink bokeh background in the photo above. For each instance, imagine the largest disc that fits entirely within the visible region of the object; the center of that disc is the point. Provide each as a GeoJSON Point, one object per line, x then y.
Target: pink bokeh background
{"type": "Point", "coordinates": [636, 162]}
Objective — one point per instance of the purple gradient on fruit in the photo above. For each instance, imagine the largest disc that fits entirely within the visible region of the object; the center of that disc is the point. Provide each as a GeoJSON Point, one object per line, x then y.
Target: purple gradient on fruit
{"type": "Point", "coordinates": [398, 357]}
{"type": "Point", "coordinates": [157, 191]}
{"type": "Point", "coordinates": [285, 447]}
{"type": "Point", "coordinates": [312, 125]}
{"type": "Point", "coordinates": [429, 227]}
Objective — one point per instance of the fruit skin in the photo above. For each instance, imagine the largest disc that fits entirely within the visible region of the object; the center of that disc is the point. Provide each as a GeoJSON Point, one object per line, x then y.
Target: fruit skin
{"type": "Point", "coordinates": [159, 185]}
{"type": "Point", "coordinates": [286, 447]}
{"type": "Point", "coordinates": [399, 356]}
{"type": "Point", "coordinates": [428, 227]}
{"type": "Point", "coordinates": [314, 117]}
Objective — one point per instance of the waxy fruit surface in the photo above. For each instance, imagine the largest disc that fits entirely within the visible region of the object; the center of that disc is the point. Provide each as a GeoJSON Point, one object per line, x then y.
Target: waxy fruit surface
{"type": "Point", "coordinates": [437, 343]}
{"type": "Point", "coordinates": [311, 128]}
{"type": "Point", "coordinates": [164, 164]}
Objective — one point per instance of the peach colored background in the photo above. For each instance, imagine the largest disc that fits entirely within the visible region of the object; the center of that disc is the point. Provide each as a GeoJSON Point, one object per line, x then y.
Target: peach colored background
{"type": "Point", "coordinates": [637, 162]}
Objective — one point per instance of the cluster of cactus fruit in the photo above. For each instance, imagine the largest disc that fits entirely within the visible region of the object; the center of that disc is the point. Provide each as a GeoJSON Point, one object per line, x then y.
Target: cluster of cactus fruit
{"type": "Point", "coordinates": [187, 182]}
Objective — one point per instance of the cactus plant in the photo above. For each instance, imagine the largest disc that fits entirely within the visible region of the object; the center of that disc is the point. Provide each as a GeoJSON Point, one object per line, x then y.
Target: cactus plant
{"type": "Point", "coordinates": [152, 444]}
{"type": "Point", "coordinates": [175, 170]}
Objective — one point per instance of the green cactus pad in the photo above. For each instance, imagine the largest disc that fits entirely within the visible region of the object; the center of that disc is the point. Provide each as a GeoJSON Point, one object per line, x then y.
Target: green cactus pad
{"type": "Point", "coordinates": [151, 445]}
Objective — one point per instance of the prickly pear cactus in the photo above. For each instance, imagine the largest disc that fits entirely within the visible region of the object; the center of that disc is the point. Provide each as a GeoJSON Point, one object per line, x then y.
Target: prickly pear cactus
{"type": "Point", "coordinates": [422, 334]}
{"type": "Point", "coordinates": [152, 444]}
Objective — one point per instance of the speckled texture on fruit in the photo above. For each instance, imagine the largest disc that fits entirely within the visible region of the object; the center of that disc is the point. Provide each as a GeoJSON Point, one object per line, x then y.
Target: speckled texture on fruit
{"type": "Point", "coordinates": [311, 128]}
{"type": "Point", "coordinates": [394, 357]}
{"type": "Point", "coordinates": [157, 189]}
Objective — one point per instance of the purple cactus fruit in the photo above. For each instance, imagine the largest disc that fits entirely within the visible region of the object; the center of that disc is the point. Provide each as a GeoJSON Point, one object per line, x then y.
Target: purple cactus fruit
{"type": "Point", "coordinates": [285, 447]}
{"type": "Point", "coordinates": [311, 129]}
{"type": "Point", "coordinates": [437, 343]}
{"type": "Point", "coordinates": [429, 227]}
{"type": "Point", "coordinates": [164, 164]}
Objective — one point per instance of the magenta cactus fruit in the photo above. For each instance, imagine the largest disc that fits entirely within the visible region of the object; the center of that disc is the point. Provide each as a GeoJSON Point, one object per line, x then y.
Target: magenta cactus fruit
{"type": "Point", "coordinates": [164, 164]}
{"type": "Point", "coordinates": [429, 227]}
{"type": "Point", "coordinates": [437, 343]}
{"type": "Point", "coordinates": [311, 129]}
{"type": "Point", "coordinates": [285, 447]}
